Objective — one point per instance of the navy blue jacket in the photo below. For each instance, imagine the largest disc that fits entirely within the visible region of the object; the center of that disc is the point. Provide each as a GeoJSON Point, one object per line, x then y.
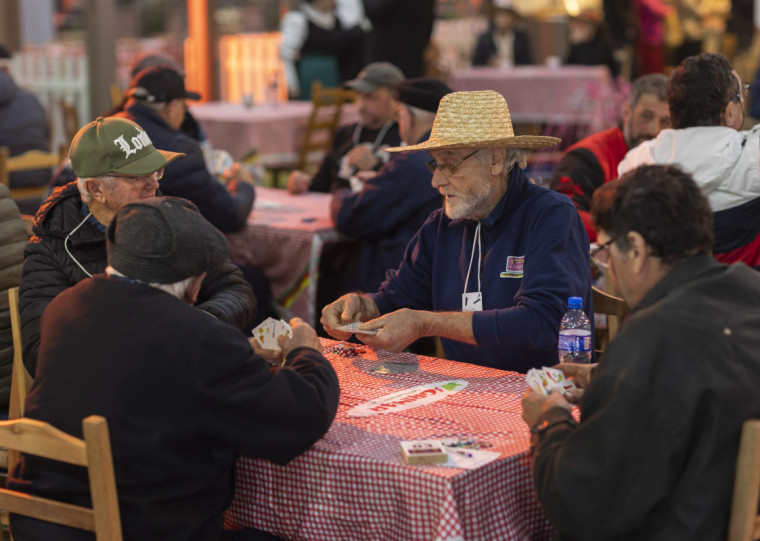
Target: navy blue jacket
{"type": "Point", "coordinates": [535, 256]}
{"type": "Point", "coordinates": [227, 208]}
{"type": "Point", "coordinates": [386, 214]}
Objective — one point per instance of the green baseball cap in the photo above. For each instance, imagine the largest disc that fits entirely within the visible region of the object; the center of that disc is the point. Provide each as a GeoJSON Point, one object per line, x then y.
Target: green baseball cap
{"type": "Point", "coordinates": [116, 145]}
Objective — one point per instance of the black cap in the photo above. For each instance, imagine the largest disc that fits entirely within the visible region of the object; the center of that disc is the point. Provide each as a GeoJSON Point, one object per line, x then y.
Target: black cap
{"type": "Point", "coordinates": [163, 240]}
{"type": "Point", "coordinates": [159, 84]}
{"type": "Point", "coordinates": [422, 92]}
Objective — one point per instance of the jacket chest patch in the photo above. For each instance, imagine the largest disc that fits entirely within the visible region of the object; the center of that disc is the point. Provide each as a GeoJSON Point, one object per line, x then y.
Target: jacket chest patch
{"type": "Point", "coordinates": [514, 268]}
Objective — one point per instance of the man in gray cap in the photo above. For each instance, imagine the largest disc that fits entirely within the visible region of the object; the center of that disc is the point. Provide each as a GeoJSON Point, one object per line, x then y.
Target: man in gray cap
{"type": "Point", "coordinates": [393, 203]}
{"type": "Point", "coordinates": [360, 146]}
{"type": "Point", "coordinates": [116, 164]}
{"type": "Point", "coordinates": [184, 394]}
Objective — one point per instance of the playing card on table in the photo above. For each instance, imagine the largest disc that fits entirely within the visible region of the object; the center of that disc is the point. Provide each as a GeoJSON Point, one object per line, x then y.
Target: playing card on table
{"type": "Point", "coordinates": [546, 380]}
{"type": "Point", "coordinates": [268, 331]}
{"type": "Point", "coordinates": [354, 328]}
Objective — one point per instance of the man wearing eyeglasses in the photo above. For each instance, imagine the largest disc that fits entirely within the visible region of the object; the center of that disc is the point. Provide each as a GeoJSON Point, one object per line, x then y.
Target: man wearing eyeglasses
{"type": "Point", "coordinates": [706, 99]}
{"type": "Point", "coordinates": [654, 455]}
{"type": "Point", "coordinates": [116, 164]}
{"type": "Point", "coordinates": [491, 272]}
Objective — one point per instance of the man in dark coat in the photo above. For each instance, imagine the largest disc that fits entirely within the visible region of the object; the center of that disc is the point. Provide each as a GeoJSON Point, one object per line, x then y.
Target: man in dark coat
{"type": "Point", "coordinates": [654, 455]}
{"type": "Point", "coordinates": [504, 44]}
{"type": "Point", "coordinates": [117, 164]}
{"type": "Point", "coordinates": [157, 102]}
{"type": "Point", "coordinates": [393, 204]}
{"type": "Point", "coordinates": [361, 146]}
{"type": "Point", "coordinates": [184, 394]}
{"type": "Point", "coordinates": [23, 126]}
{"type": "Point", "coordinates": [400, 33]}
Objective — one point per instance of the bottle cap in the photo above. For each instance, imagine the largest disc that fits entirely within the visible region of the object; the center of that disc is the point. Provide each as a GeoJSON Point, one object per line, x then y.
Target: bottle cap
{"type": "Point", "coordinates": [575, 302]}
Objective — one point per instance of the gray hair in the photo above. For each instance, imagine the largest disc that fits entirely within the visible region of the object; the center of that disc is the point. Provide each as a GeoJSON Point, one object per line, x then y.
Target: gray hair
{"type": "Point", "coordinates": [87, 196]}
{"type": "Point", "coordinates": [655, 84]}
{"type": "Point", "coordinates": [422, 114]}
{"type": "Point", "coordinates": [177, 289]}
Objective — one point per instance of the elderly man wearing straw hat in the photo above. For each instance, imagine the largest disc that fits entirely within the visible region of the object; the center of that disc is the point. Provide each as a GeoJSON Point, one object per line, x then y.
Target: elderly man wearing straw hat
{"type": "Point", "coordinates": [491, 272]}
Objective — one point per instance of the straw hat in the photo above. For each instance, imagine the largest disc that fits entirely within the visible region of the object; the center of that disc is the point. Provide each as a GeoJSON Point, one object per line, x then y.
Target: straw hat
{"type": "Point", "coordinates": [476, 119]}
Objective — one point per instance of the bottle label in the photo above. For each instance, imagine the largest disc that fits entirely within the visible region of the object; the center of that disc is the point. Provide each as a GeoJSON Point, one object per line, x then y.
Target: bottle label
{"type": "Point", "coordinates": [575, 340]}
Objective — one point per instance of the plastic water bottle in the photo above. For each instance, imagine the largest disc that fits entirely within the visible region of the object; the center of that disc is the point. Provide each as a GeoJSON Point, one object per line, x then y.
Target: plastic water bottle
{"type": "Point", "coordinates": [575, 334]}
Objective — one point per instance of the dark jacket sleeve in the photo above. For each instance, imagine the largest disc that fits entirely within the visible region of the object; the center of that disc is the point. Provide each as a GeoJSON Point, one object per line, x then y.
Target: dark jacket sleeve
{"type": "Point", "coordinates": [226, 295]}
{"type": "Point", "coordinates": [522, 54]}
{"type": "Point", "coordinates": [274, 416]}
{"type": "Point", "coordinates": [326, 177]}
{"type": "Point", "coordinates": [484, 49]}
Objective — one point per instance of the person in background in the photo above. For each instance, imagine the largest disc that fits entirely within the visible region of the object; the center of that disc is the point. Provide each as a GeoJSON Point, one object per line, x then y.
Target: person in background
{"type": "Point", "coordinates": [594, 160]}
{"type": "Point", "coordinates": [361, 146]}
{"type": "Point", "coordinates": [156, 100]}
{"type": "Point", "coordinates": [650, 41]}
{"type": "Point", "coordinates": [400, 33]}
{"type": "Point", "coordinates": [491, 272]}
{"type": "Point", "coordinates": [504, 44]}
{"type": "Point", "coordinates": [314, 30]}
{"type": "Point", "coordinates": [706, 100]}
{"type": "Point", "coordinates": [394, 203]}
{"type": "Point", "coordinates": [655, 451]}
{"type": "Point", "coordinates": [116, 163]}
{"type": "Point", "coordinates": [589, 44]}
{"type": "Point", "coordinates": [183, 399]}
{"type": "Point", "coordinates": [23, 127]}
{"type": "Point", "coordinates": [13, 237]}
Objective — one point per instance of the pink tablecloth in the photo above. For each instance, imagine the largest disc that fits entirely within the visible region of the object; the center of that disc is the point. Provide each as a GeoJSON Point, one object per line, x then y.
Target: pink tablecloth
{"type": "Point", "coordinates": [275, 130]}
{"type": "Point", "coordinates": [354, 484]}
{"type": "Point", "coordinates": [283, 237]}
{"type": "Point", "coordinates": [562, 95]}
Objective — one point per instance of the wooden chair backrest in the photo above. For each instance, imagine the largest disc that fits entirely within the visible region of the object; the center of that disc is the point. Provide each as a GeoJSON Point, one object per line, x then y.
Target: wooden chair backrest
{"type": "Point", "coordinates": [615, 308]}
{"type": "Point", "coordinates": [744, 524]}
{"type": "Point", "coordinates": [21, 381]}
{"type": "Point", "coordinates": [29, 160]}
{"type": "Point", "coordinates": [323, 120]}
{"type": "Point", "coordinates": [93, 452]}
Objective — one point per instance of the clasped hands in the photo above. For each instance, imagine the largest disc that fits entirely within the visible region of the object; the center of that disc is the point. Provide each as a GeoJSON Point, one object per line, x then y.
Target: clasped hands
{"type": "Point", "coordinates": [396, 330]}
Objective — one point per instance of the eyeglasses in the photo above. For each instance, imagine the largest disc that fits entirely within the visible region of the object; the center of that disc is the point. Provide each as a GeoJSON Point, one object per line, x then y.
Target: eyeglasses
{"type": "Point", "coordinates": [600, 253]}
{"type": "Point", "coordinates": [743, 92]}
{"type": "Point", "coordinates": [155, 175]}
{"type": "Point", "coordinates": [447, 170]}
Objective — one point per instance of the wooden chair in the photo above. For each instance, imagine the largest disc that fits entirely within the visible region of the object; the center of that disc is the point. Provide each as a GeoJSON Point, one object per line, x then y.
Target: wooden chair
{"type": "Point", "coordinates": [70, 120]}
{"type": "Point", "coordinates": [94, 452]}
{"type": "Point", "coordinates": [615, 308]}
{"type": "Point", "coordinates": [29, 160]}
{"type": "Point", "coordinates": [21, 381]}
{"type": "Point", "coordinates": [323, 120]}
{"type": "Point", "coordinates": [744, 524]}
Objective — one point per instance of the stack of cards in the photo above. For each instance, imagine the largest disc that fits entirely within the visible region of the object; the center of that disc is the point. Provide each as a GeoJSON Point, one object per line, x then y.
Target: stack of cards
{"type": "Point", "coordinates": [546, 380]}
{"type": "Point", "coordinates": [267, 332]}
{"type": "Point", "coordinates": [354, 328]}
{"type": "Point", "coordinates": [423, 452]}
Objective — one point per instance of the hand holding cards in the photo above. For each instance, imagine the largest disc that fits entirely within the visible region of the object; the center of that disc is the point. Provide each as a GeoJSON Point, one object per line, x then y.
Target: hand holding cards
{"type": "Point", "coordinates": [545, 380]}
{"type": "Point", "coordinates": [268, 331]}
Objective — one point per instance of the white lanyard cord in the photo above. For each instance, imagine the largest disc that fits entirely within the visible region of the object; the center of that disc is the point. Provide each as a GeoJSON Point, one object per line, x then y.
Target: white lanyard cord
{"type": "Point", "coordinates": [66, 247]}
{"type": "Point", "coordinates": [475, 241]}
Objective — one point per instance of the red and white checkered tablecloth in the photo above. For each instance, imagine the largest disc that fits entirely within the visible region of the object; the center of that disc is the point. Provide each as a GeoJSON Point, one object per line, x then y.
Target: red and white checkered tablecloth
{"type": "Point", "coordinates": [353, 484]}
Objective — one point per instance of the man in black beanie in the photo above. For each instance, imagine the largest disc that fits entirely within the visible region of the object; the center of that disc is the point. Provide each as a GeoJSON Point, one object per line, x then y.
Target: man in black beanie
{"type": "Point", "coordinates": [393, 203]}
{"type": "Point", "coordinates": [184, 394]}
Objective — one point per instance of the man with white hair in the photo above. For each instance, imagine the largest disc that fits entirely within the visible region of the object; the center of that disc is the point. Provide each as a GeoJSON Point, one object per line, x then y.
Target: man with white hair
{"type": "Point", "coordinates": [116, 163]}
{"type": "Point", "coordinates": [491, 272]}
{"type": "Point", "coordinates": [183, 393]}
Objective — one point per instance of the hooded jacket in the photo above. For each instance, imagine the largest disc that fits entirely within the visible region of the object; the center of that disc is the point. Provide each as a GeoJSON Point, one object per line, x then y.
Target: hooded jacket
{"type": "Point", "coordinates": [54, 264]}
{"type": "Point", "coordinates": [725, 164]}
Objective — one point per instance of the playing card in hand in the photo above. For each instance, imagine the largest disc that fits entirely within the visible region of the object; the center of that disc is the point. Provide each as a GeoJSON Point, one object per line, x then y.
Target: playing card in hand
{"type": "Point", "coordinates": [354, 328]}
{"type": "Point", "coordinates": [546, 380]}
{"type": "Point", "coordinates": [268, 331]}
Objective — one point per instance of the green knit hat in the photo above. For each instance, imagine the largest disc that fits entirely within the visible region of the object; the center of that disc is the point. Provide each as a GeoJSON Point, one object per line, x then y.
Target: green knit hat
{"type": "Point", "coordinates": [116, 145]}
